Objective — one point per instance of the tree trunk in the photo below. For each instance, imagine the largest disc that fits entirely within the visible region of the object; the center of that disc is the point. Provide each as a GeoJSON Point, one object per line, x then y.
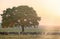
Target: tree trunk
{"type": "Point", "coordinates": [22, 28]}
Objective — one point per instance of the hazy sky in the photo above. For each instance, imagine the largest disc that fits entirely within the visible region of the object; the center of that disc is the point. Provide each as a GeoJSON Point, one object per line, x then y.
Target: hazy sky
{"type": "Point", "coordinates": [49, 10]}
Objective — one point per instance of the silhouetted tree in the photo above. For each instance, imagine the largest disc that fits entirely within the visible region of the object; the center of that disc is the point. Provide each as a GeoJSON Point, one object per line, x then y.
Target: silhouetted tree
{"type": "Point", "coordinates": [21, 15]}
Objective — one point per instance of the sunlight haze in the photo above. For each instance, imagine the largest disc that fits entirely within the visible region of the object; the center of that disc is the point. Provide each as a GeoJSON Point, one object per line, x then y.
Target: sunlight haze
{"type": "Point", "coordinates": [48, 10]}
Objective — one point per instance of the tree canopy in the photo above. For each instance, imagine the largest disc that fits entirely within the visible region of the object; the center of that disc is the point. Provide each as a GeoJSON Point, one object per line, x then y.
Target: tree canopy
{"type": "Point", "coordinates": [21, 15]}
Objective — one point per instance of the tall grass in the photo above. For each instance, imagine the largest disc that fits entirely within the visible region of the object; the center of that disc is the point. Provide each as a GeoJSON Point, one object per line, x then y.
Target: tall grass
{"type": "Point", "coordinates": [29, 36]}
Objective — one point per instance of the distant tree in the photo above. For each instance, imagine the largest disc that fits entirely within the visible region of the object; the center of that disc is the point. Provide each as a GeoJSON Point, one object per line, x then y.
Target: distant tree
{"type": "Point", "coordinates": [21, 15]}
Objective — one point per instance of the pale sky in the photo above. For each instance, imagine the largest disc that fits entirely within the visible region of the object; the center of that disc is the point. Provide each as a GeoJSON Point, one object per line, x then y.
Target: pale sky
{"type": "Point", "coordinates": [48, 10]}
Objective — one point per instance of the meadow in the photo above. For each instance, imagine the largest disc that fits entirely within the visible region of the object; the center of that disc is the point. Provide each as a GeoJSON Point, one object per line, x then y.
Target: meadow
{"type": "Point", "coordinates": [28, 36]}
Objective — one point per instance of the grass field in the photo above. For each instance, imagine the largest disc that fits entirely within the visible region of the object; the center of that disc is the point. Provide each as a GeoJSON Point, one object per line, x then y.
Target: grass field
{"type": "Point", "coordinates": [10, 36]}
{"type": "Point", "coordinates": [19, 30]}
{"type": "Point", "coordinates": [19, 37]}
{"type": "Point", "coordinates": [29, 37]}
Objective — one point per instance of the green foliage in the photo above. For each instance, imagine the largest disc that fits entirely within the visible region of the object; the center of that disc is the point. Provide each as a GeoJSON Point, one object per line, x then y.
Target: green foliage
{"type": "Point", "coordinates": [21, 15]}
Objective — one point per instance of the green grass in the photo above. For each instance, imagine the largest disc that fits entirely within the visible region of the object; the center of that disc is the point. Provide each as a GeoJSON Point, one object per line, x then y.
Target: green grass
{"type": "Point", "coordinates": [19, 37]}
{"type": "Point", "coordinates": [19, 30]}
{"type": "Point", "coordinates": [29, 37]}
